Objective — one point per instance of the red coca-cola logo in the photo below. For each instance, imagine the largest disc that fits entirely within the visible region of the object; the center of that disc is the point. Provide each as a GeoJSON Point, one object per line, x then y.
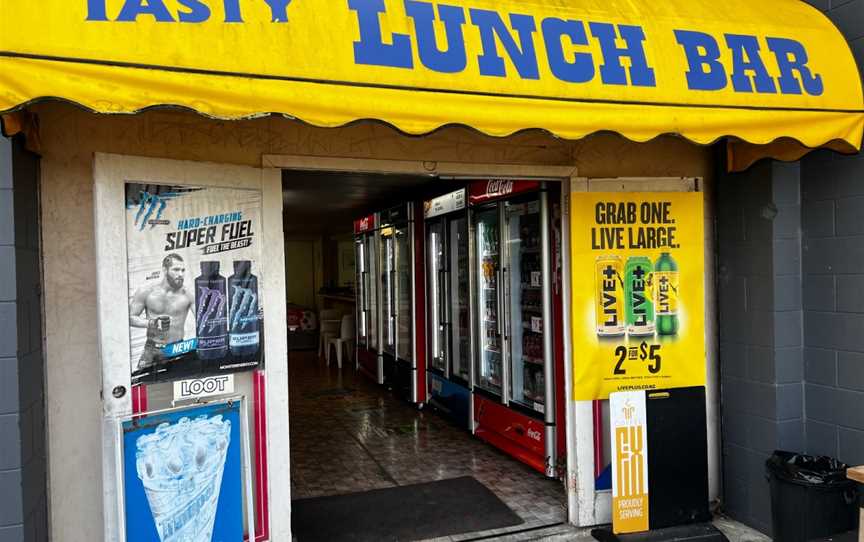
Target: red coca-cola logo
{"type": "Point", "coordinates": [364, 224]}
{"type": "Point", "coordinates": [482, 191]}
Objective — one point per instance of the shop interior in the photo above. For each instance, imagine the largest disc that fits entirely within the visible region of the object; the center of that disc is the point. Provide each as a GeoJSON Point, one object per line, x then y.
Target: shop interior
{"type": "Point", "coordinates": [354, 438]}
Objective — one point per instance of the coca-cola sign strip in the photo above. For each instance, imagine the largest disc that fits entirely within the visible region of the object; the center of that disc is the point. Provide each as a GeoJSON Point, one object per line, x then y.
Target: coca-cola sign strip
{"type": "Point", "coordinates": [491, 189]}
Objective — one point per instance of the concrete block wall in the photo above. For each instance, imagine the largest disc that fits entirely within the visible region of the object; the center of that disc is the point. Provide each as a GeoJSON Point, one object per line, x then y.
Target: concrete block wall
{"type": "Point", "coordinates": [833, 289]}
{"type": "Point", "coordinates": [791, 272]}
{"type": "Point", "coordinates": [760, 321]}
{"type": "Point", "coordinates": [23, 496]}
{"type": "Point", "coordinates": [833, 281]}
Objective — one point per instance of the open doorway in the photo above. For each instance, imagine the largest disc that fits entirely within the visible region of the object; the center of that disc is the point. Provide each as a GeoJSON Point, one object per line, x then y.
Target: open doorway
{"type": "Point", "coordinates": [373, 439]}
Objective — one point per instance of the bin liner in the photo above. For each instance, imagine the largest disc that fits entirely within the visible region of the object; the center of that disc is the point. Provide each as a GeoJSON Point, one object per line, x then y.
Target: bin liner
{"type": "Point", "coordinates": [811, 497]}
{"type": "Point", "coordinates": [813, 470]}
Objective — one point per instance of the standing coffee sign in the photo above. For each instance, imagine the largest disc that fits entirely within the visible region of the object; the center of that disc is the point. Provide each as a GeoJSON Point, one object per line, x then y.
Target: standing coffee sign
{"type": "Point", "coordinates": [193, 257]}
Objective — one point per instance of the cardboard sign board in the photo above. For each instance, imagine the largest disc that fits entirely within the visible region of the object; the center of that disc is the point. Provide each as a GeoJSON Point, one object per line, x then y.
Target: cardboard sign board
{"type": "Point", "coordinates": [659, 459]}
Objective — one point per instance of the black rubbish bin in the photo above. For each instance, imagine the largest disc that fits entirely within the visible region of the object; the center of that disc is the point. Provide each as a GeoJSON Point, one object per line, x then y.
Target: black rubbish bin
{"type": "Point", "coordinates": [810, 497]}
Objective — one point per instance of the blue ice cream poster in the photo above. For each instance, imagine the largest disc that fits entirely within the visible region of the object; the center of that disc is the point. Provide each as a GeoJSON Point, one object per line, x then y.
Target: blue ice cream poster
{"type": "Point", "coordinates": [183, 478]}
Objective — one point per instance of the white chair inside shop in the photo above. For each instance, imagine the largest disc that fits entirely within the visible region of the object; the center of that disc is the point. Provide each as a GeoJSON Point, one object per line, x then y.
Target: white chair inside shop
{"type": "Point", "coordinates": [345, 339]}
{"type": "Point", "coordinates": [331, 323]}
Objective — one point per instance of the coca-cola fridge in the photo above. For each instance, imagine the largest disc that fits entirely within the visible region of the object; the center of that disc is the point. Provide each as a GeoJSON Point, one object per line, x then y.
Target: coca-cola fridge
{"type": "Point", "coordinates": [403, 302]}
{"type": "Point", "coordinates": [367, 249]}
{"type": "Point", "coordinates": [448, 309]}
{"type": "Point", "coordinates": [519, 378]}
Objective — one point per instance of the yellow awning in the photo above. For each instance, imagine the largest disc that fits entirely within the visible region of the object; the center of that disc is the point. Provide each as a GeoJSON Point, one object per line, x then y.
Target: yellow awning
{"type": "Point", "coordinates": [758, 71]}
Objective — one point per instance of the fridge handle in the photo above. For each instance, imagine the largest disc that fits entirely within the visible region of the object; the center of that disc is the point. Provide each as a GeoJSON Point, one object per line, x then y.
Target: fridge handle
{"type": "Point", "coordinates": [391, 324]}
{"type": "Point", "coordinates": [442, 312]}
{"type": "Point", "coordinates": [505, 308]}
{"type": "Point", "coordinates": [448, 309]}
{"type": "Point", "coordinates": [499, 317]}
{"type": "Point", "coordinates": [393, 303]}
{"type": "Point", "coordinates": [364, 294]}
{"type": "Point", "coordinates": [361, 306]}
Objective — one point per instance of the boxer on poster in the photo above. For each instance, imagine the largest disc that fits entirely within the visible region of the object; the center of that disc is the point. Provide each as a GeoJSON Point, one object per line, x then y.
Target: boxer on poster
{"type": "Point", "coordinates": [165, 307]}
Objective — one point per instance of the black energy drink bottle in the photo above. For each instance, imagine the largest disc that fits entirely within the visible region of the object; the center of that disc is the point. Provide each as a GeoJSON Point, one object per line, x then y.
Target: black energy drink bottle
{"type": "Point", "coordinates": [211, 311]}
{"type": "Point", "coordinates": [244, 329]}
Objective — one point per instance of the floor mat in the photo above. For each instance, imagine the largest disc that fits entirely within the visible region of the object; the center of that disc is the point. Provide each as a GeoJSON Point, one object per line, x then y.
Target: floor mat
{"type": "Point", "coordinates": [415, 512]}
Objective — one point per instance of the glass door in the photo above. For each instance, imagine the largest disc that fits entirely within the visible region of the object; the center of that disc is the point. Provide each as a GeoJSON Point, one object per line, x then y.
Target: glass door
{"type": "Point", "coordinates": [388, 288]}
{"type": "Point", "coordinates": [459, 303]}
{"type": "Point", "coordinates": [490, 318]}
{"type": "Point", "coordinates": [361, 281]}
{"type": "Point", "coordinates": [525, 303]}
{"type": "Point", "coordinates": [436, 273]}
{"type": "Point", "coordinates": [404, 293]}
{"type": "Point", "coordinates": [371, 290]}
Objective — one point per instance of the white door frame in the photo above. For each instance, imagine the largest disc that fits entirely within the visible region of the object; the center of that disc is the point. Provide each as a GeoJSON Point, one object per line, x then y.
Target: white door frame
{"type": "Point", "coordinates": [110, 173]}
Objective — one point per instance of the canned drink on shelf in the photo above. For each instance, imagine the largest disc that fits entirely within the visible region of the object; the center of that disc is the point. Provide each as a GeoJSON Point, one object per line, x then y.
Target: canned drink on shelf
{"type": "Point", "coordinates": [639, 305]}
{"type": "Point", "coordinates": [609, 303]}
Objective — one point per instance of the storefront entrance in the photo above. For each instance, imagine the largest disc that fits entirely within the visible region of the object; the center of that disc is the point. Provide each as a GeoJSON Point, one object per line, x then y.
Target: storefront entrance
{"type": "Point", "coordinates": [366, 440]}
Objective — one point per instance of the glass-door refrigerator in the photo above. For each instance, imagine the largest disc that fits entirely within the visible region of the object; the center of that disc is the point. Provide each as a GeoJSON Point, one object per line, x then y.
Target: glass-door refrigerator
{"type": "Point", "coordinates": [448, 308]}
{"type": "Point", "coordinates": [367, 247]}
{"type": "Point", "coordinates": [518, 385]}
{"type": "Point", "coordinates": [402, 300]}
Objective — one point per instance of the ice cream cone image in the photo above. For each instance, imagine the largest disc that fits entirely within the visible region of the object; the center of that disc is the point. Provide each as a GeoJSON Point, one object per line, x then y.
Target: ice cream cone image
{"type": "Point", "coordinates": [181, 467]}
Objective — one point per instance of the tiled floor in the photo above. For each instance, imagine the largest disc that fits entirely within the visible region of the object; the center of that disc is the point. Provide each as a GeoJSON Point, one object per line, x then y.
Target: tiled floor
{"type": "Point", "coordinates": [349, 435]}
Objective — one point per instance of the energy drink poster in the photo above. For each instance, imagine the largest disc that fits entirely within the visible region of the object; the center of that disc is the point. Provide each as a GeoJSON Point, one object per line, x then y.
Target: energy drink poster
{"type": "Point", "coordinates": [183, 477]}
{"type": "Point", "coordinates": [637, 292]}
{"type": "Point", "coordinates": [193, 268]}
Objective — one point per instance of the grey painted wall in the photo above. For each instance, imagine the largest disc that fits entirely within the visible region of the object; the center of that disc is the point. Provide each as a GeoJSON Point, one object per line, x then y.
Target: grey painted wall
{"type": "Point", "coordinates": [833, 286]}
{"type": "Point", "coordinates": [23, 500]}
{"type": "Point", "coordinates": [791, 283]}
{"type": "Point", "coordinates": [833, 280]}
{"type": "Point", "coordinates": [761, 366]}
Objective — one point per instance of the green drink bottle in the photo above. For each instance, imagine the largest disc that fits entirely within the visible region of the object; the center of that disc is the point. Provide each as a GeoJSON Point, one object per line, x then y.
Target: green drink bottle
{"type": "Point", "coordinates": [666, 294]}
{"type": "Point", "coordinates": [639, 307]}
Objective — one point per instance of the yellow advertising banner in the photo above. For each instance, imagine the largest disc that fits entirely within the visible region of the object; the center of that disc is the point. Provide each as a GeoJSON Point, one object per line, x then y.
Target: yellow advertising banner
{"type": "Point", "coordinates": [638, 266]}
{"type": "Point", "coordinates": [755, 70]}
